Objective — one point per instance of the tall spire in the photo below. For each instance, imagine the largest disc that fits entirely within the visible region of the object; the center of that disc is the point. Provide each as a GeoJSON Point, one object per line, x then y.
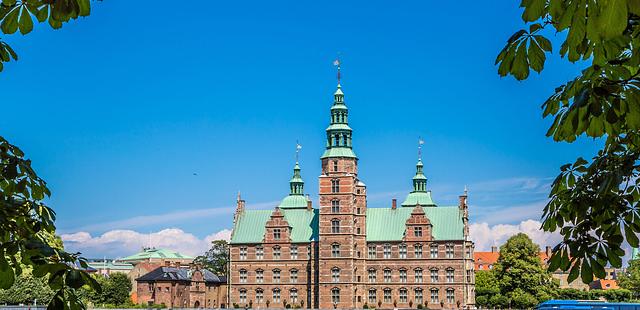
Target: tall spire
{"type": "Point", "coordinates": [296, 183]}
{"type": "Point", "coordinates": [420, 195]}
{"type": "Point", "coordinates": [339, 133]}
{"type": "Point", "coordinates": [296, 198]}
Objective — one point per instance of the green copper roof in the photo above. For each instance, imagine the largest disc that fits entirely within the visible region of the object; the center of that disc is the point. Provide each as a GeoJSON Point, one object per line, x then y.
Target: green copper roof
{"type": "Point", "coordinates": [339, 152]}
{"type": "Point", "coordinates": [250, 227]}
{"type": "Point", "coordinates": [386, 224]}
{"type": "Point", "coordinates": [634, 253]}
{"type": "Point", "coordinates": [294, 202]}
{"type": "Point", "coordinates": [110, 265]}
{"type": "Point", "coordinates": [339, 106]}
{"type": "Point", "coordinates": [154, 253]}
{"type": "Point", "coordinates": [418, 198]}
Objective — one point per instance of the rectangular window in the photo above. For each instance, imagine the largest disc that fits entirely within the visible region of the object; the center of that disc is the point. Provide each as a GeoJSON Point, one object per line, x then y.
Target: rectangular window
{"type": "Point", "coordinates": [335, 186]}
{"type": "Point", "coordinates": [434, 275]}
{"type": "Point", "coordinates": [259, 252]}
{"type": "Point", "coordinates": [335, 275]}
{"type": "Point", "coordinates": [387, 250]}
{"type": "Point", "coordinates": [434, 251]}
{"type": "Point", "coordinates": [335, 295]}
{"type": "Point", "coordinates": [294, 252]}
{"type": "Point", "coordinates": [418, 277]}
{"type": "Point", "coordinates": [402, 249]}
{"type": "Point", "coordinates": [403, 276]}
{"type": "Point", "coordinates": [417, 249]}
{"type": "Point", "coordinates": [434, 296]}
{"type": "Point", "coordinates": [276, 276]}
{"type": "Point", "coordinates": [335, 165]}
{"type": "Point", "coordinates": [372, 297]}
{"type": "Point", "coordinates": [417, 231]}
{"type": "Point", "coordinates": [259, 276]}
{"type": "Point", "coordinates": [243, 276]}
{"type": "Point", "coordinates": [387, 275]}
{"type": "Point", "coordinates": [450, 275]}
{"type": "Point", "coordinates": [372, 275]}
{"type": "Point", "coordinates": [276, 252]}
{"type": "Point", "coordinates": [403, 295]}
{"type": "Point", "coordinates": [468, 276]}
{"type": "Point", "coordinates": [468, 252]}
{"type": "Point", "coordinates": [243, 252]}
{"type": "Point", "coordinates": [372, 251]}
{"type": "Point", "coordinates": [276, 233]}
{"type": "Point", "coordinates": [335, 206]}
{"type": "Point", "coordinates": [387, 295]}
{"type": "Point", "coordinates": [449, 250]}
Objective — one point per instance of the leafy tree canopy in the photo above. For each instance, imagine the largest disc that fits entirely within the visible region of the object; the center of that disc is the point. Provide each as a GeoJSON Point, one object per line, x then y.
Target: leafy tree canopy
{"type": "Point", "coordinates": [216, 258]}
{"type": "Point", "coordinates": [520, 274]}
{"type": "Point", "coordinates": [593, 204]}
{"type": "Point", "coordinates": [630, 279]}
{"type": "Point", "coordinates": [20, 15]}
{"type": "Point", "coordinates": [27, 233]}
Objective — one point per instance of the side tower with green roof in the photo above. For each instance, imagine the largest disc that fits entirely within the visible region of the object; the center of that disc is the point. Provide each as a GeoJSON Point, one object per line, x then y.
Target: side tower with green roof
{"type": "Point", "coordinates": [296, 198]}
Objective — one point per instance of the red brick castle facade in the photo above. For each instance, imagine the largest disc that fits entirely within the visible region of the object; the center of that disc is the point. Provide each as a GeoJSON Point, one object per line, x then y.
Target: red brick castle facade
{"type": "Point", "coordinates": [345, 254]}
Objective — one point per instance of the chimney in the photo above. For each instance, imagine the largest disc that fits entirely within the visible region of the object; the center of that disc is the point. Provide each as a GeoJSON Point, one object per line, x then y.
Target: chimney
{"type": "Point", "coordinates": [309, 203]}
{"type": "Point", "coordinates": [547, 250]}
{"type": "Point", "coordinates": [394, 203]}
{"type": "Point", "coordinates": [494, 249]}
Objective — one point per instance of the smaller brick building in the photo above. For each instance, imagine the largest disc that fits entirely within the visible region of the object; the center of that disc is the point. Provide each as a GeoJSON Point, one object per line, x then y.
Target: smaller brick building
{"type": "Point", "coordinates": [179, 287]}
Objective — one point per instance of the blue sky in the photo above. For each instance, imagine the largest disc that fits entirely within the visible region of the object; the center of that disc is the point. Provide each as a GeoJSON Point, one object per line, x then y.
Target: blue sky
{"type": "Point", "coordinates": [120, 109]}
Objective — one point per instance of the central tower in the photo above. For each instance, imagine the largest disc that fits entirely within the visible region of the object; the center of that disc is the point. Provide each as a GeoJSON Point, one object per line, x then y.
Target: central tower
{"type": "Point", "coordinates": [342, 221]}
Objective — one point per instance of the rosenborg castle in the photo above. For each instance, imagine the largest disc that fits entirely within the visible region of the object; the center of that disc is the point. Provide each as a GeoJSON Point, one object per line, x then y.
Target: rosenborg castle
{"type": "Point", "coordinates": [344, 254]}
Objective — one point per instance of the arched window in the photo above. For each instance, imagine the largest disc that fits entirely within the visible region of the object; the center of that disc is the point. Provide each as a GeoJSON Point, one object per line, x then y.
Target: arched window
{"type": "Point", "coordinates": [402, 249]}
{"type": "Point", "coordinates": [450, 275]}
{"type": "Point", "coordinates": [387, 275]}
{"type": "Point", "coordinates": [243, 296]}
{"type": "Point", "coordinates": [418, 293]}
{"type": "Point", "coordinates": [451, 296]}
{"type": "Point", "coordinates": [418, 275]}
{"type": "Point", "coordinates": [372, 296]}
{"type": "Point", "coordinates": [259, 295]}
{"type": "Point", "coordinates": [243, 276]}
{"type": "Point", "coordinates": [335, 274]}
{"type": "Point", "coordinates": [335, 250]}
{"type": "Point", "coordinates": [434, 275]}
{"type": "Point", "coordinates": [403, 275]}
{"type": "Point", "coordinates": [386, 250]}
{"type": "Point", "coordinates": [403, 295]}
{"type": "Point", "coordinates": [417, 250]}
{"type": "Point", "coordinates": [372, 275]}
{"type": "Point", "coordinates": [276, 275]}
{"type": "Point", "coordinates": [276, 295]}
{"type": "Point", "coordinates": [276, 252]}
{"type": "Point", "coordinates": [435, 297]}
{"type": "Point", "coordinates": [387, 295]}
{"type": "Point", "coordinates": [293, 295]}
{"type": "Point", "coordinates": [335, 186]}
{"type": "Point", "coordinates": [259, 276]}
{"type": "Point", "coordinates": [335, 226]}
{"type": "Point", "coordinates": [293, 275]}
{"type": "Point", "coordinates": [335, 295]}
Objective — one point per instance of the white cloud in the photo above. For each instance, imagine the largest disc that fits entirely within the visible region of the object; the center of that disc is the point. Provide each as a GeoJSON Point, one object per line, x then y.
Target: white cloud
{"type": "Point", "coordinates": [120, 243]}
{"type": "Point", "coordinates": [486, 236]}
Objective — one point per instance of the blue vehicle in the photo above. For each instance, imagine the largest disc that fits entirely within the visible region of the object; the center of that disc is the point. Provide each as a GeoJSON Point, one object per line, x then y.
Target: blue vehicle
{"type": "Point", "coordinates": [586, 304]}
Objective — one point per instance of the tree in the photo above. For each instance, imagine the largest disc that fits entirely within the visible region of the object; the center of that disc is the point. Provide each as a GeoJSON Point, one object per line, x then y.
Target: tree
{"type": "Point", "coordinates": [630, 279]}
{"type": "Point", "coordinates": [520, 275]}
{"type": "Point", "coordinates": [592, 204]}
{"type": "Point", "coordinates": [486, 288]}
{"type": "Point", "coordinates": [18, 15]}
{"type": "Point", "coordinates": [27, 289]}
{"type": "Point", "coordinates": [27, 233]}
{"type": "Point", "coordinates": [216, 258]}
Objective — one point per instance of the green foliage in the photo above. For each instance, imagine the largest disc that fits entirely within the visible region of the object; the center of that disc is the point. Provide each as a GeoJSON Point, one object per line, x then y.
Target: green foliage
{"type": "Point", "coordinates": [27, 233]}
{"type": "Point", "coordinates": [630, 279]}
{"type": "Point", "coordinates": [20, 14]}
{"type": "Point", "coordinates": [592, 204]}
{"type": "Point", "coordinates": [115, 291]}
{"type": "Point", "coordinates": [27, 289]}
{"type": "Point", "coordinates": [216, 258]}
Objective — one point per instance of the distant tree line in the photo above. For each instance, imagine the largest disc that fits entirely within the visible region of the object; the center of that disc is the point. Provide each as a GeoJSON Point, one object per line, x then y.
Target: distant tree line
{"type": "Point", "coordinates": [519, 280]}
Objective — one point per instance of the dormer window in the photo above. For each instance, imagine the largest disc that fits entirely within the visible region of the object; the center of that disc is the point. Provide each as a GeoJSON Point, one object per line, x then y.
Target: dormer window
{"type": "Point", "coordinates": [276, 234]}
{"type": "Point", "coordinates": [417, 231]}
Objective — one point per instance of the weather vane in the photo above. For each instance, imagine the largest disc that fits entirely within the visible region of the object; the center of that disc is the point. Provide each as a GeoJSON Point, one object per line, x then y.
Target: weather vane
{"type": "Point", "coordinates": [420, 143]}
{"type": "Point", "coordinates": [298, 148]}
{"type": "Point", "coordinates": [337, 64]}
